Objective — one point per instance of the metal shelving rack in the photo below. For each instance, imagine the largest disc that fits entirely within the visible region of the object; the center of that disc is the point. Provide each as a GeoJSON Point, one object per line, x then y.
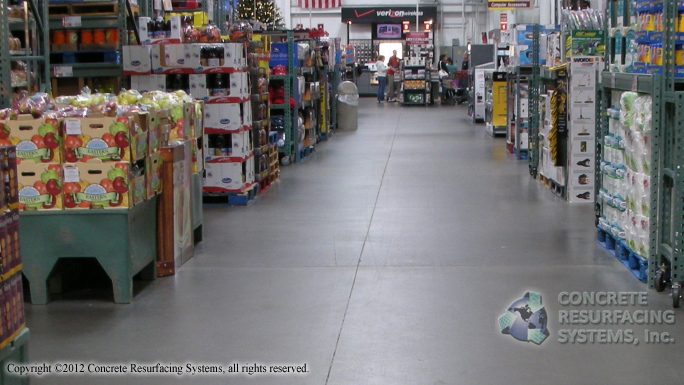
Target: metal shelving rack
{"type": "Point", "coordinates": [287, 152]}
{"type": "Point", "coordinates": [534, 100]}
{"type": "Point", "coordinates": [667, 176]}
{"type": "Point", "coordinates": [116, 20]}
{"type": "Point", "coordinates": [522, 82]}
{"type": "Point", "coordinates": [35, 54]}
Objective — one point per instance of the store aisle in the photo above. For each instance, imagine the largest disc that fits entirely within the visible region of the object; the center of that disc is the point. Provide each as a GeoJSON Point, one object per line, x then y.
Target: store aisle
{"type": "Point", "coordinates": [384, 259]}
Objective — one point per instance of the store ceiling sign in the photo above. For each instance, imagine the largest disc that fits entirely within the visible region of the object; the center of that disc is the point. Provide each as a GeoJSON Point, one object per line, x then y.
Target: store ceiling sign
{"type": "Point", "coordinates": [508, 4]}
{"type": "Point", "coordinates": [417, 38]}
{"type": "Point", "coordinates": [367, 15]}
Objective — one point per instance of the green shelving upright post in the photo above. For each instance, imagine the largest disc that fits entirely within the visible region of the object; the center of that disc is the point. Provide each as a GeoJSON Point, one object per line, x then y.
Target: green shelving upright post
{"type": "Point", "coordinates": [666, 259]}
{"type": "Point", "coordinates": [534, 99]}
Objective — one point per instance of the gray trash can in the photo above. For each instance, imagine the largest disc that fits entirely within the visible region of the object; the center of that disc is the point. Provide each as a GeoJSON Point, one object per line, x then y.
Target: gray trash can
{"type": "Point", "coordinates": [347, 107]}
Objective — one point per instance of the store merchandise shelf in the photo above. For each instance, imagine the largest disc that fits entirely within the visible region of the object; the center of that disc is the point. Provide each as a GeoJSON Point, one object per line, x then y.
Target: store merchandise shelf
{"type": "Point", "coordinates": [641, 83]}
{"type": "Point", "coordinates": [88, 22]}
{"type": "Point", "coordinates": [93, 69]}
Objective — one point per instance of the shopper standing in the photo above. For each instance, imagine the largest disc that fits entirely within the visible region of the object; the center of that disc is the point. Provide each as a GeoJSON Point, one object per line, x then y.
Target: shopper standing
{"type": "Point", "coordinates": [381, 71]}
{"type": "Point", "coordinates": [393, 68]}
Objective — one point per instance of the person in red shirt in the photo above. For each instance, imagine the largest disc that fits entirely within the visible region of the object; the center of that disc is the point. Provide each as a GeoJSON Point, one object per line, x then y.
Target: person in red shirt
{"type": "Point", "coordinates": [393, 67]}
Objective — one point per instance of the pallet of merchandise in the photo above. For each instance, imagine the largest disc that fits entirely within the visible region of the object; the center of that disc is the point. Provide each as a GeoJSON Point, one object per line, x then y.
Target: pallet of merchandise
{"type": "Point", "coordinates": [636, 264]}
{"type": "Point", "coordinates": [242, 198]}
{"type": "Point", "coordinates": [14, 350]}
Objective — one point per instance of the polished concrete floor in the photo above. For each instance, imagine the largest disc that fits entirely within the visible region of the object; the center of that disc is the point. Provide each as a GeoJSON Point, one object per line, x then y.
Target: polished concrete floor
{"type": "Point", "coordinates": [383, 259]}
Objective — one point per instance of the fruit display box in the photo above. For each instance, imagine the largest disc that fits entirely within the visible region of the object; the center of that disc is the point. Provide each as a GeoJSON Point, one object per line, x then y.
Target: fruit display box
{"type": "Point", "coordinates": [36, 140]}
{"type": "Point", "coordinates": [12, 317]}
{"type": "Point", "coordinates": [105, 138]}
{"type": "Point", "coordinates": [103, 185]}
{"type": "Point", "coordinates": [225, 176]}
{"type": "Point", "coordinates": [9, 190]}
{"type": "Point", "coordinates": [9, 242]}
{"type": "Point", "coordinates": [40, 186]}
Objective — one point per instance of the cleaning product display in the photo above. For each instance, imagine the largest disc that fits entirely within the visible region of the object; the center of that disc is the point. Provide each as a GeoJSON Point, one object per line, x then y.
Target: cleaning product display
{"type": "Point", "coordinates": [625, 190]}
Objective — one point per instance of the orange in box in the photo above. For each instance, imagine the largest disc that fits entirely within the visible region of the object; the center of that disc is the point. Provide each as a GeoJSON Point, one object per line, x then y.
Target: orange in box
{"type": "Point", "coordinates": [40, 186]}
{"type": "Point", "coordinates": [37, 140]}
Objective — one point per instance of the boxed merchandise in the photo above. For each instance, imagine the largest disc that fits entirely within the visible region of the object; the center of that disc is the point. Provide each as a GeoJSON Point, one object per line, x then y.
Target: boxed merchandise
{"type": "Point", "coordinates": [219, 56]}
{"type": "Point", "coordinates": [223, 175]}
{"type": "Point", "coordinates": [154, 136]}
{"type": "Point", "coordinates": [153, 181]}
{"type": "Point", "coordinates": [148, 83]}
{"type": "Point", "coordinates": [40, 186]}
{"type": "Point", "coordinates": [105, 138]}
{"type": "Point", "coordinates": [103, 185]}
{"type": "Point", "coordinates": [137, 60]}
{"type": "Point", "coordinates": [234, 145]}
{"type": "Point", "coordinates": [9, 241]}
{"type": "Point", "coordinates": [37, 140]}
{"type": "Point", "coordinates": [585, 43]}
{"type": "Point", "coordinates": [12, 318]}
{"type": "Point", "coordinates": [227, 117]}
{"type": "Point", "coordinates": [9, 190]}
{"type": "Point", "coordinates": [216, 86]}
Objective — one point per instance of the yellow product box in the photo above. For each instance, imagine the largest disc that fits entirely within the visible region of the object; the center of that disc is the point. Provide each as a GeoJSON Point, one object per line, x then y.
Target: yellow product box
{"type": "Point", "coordinates": [105, 138]}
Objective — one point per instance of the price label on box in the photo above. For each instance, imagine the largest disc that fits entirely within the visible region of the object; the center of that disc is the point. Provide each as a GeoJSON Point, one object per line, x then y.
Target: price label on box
{"type": "Point", "coordinates": [62, 71]}
{"type": "Point", "coordinates": [73, 126]}
{"type": "Point", "coordinates": [71, 21]}
{"type": "Point", "coordinates": [71, 174]}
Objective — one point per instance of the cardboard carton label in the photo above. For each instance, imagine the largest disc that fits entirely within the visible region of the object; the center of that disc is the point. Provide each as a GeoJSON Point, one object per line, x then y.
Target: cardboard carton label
{"type": "Point", "coordinates": [40, 186]}
{"type": "Point", "coordinates": [37, 140]}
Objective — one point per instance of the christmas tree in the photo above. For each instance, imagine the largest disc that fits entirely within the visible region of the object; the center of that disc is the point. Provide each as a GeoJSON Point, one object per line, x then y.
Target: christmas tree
{"type": "Point", "coordinates": [266, 11]}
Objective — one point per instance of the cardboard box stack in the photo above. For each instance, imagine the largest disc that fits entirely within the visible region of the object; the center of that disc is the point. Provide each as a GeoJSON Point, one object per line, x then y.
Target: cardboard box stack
{"type": "Point", "coordinates": [12, 318]}
{"type": "Point", "coordinates": [99, 158]}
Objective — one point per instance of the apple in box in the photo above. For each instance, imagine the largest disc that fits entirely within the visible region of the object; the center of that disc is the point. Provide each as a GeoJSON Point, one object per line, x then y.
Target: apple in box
{"type": "Point", "coordinates": [40, 186]}
{"type": "Point", "coordinates": [103, 138]}
{"type": "Point", "coordinates": [100, 185]}
{"type": "Point", "coordinates": [37, 140]}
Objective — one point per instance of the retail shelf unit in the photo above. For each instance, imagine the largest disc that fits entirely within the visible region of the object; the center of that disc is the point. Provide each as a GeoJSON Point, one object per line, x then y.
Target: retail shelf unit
{"type": "Point", "coordinates": [34, 50]}
{"type": "Point", "coordinates": [666, 262]}
{"type": "Point", "coordinates": [551, 138]}
{"type": "Point", "coordinates": [518, 134]}
{"type": "Point", "coordinates": [308, 106]}
{"type": "Point", "coordinates": [82, 59]}
{"type": "Point", "coordinates": [511, 111]}
{"type": "Point", "coordinates": [287, 142]}
{"type": "Point", "coordinates": [415, 83]}
{"type": "Point", "coordinates": [533, 103]}
{"type": "Point", "coordinates": [267, 166]}
{"type": "Point", "coordinates": [608, 144]}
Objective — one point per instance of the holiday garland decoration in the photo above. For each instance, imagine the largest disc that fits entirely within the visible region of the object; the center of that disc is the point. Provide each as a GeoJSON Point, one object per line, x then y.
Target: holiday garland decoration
{"type": "Point", "coordinates": [266, 11]}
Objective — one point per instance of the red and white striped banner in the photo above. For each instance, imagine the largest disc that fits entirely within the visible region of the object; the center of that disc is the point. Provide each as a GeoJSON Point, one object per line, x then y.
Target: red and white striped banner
{"type": "Point", "coordinates": [319, 4]}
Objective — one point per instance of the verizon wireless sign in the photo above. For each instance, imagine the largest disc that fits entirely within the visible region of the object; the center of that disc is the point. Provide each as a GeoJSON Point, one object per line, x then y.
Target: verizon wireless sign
{"type": "Point", "coordinates": [367, 15]}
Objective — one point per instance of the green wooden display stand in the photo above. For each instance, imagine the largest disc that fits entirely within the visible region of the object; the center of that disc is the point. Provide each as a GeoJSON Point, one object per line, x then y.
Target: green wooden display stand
{"type": "Point", "coordinates": [16, 351]}
{"type": "Point", "coordinates": [124, 242]}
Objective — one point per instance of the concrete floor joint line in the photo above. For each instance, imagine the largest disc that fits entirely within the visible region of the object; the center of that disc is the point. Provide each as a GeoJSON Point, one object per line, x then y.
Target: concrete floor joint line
{"type": "Point", "coordinates": [365, 240]}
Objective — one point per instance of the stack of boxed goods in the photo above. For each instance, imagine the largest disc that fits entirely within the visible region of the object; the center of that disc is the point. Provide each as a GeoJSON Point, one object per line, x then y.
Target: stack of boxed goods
{"type": "Point", "coordinates": [92, 151]}
{"type": "Point", "coordinates": [216, 73]}
{"type": "Point", "coordinates": [626, 168]}
{"type": "Point", "coordinates": [12, 319]}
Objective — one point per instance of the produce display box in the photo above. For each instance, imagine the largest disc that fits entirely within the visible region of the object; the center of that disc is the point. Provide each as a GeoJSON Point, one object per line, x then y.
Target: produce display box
{"type": "Point", "coordinates": [105, 138]}
{"type": "Point", "coordinates": [40, 186]}
{"type": "Point", "coordinates": [36, 139]}
{"type": "Point", "coordinates": [103, 185]}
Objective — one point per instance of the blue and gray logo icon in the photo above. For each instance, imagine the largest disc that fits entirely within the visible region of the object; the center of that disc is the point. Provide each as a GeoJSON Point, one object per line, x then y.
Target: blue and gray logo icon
{"type": "Point", "coordinates": [526, 319]}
